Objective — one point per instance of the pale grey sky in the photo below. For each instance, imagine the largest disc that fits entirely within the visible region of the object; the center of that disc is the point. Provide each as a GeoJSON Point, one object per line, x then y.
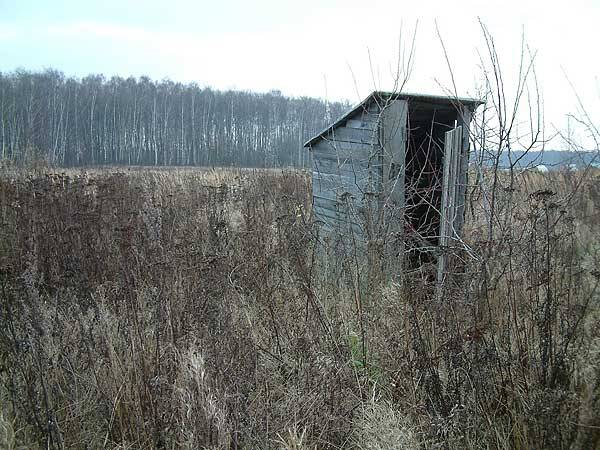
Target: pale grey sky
{"type": "Point", "coordinates": [339, 49]}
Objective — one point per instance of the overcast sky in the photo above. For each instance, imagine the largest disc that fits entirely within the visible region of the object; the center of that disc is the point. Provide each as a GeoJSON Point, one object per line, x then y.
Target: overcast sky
{"type": "Point", "coordinates": [323, 48]}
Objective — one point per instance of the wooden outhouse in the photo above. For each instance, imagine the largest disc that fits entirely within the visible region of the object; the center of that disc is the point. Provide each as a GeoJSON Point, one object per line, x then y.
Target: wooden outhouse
{"type": "Point", "coordinates": [393, 170]}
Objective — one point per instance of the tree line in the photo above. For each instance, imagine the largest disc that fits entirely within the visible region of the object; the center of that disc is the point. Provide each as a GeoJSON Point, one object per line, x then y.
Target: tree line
{"type": "Point", "coordinates": [69, 121]}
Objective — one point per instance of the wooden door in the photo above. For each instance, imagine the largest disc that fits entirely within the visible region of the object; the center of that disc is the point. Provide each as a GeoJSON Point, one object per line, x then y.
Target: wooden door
{"type": "Point", "coordinates": [453, 192]}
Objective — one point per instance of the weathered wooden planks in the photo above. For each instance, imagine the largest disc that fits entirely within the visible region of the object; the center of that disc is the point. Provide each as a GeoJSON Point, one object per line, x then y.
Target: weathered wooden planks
{"type": "Point", "coordinates": [339, 226]}
{"type": "Point", "coordinates": [449, 209]}
{"type": "Point", "coordinates": [362, 124]}
{"type": "Point", "coordinates": [359, 135]}
{"type": "Point", "coordinates": [325, 202]}
{"type": "Point", "coordinates": [347, 167]}
{"type": "Point", "coordinates": [336, 166]}
{"type": "Point", "coordinates": [394, 141]}
{"type": "Point", "coordinates": [464, 121]}
{"type": "Point", "coordinates": [394, 148]}
{"type": "Point", "coordinates": [331, 149]}
{"type": "Point", "coordinates": [357, 183]}
{"type": "Point", "coordinates": [359, 165]}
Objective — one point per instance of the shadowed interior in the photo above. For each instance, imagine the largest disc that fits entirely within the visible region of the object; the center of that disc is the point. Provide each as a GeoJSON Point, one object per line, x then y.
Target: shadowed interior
{"type": "Point", "coordinates": [427, 125]}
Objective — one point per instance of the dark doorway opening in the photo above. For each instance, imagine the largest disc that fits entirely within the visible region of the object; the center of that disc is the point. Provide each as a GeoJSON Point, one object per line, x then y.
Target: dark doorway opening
{"type": "Point", "coordinates": [424, 164]}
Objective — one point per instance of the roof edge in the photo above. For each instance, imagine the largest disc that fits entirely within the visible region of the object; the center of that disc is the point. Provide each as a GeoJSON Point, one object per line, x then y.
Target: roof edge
{"type": "Point", "coordinates": [467, 101]}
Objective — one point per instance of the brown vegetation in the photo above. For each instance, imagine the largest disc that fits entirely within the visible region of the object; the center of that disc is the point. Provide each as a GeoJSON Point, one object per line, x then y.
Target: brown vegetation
{"type": "Point", "coordinates": [194, 309]}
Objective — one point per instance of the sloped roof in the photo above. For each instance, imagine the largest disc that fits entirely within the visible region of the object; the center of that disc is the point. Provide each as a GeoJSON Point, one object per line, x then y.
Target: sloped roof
{"type": "Point", "coordinates": [385, 96]}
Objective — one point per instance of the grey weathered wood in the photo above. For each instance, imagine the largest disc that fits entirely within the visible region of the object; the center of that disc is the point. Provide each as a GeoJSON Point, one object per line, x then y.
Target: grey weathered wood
{"type": "Point", "coordinates": [342, 216]}
{"type": "Point", "coordinates": [326, 193]}
{"type": "Point", "coordinates": [333, 145]}
{"type": "Point", "coordinates": [444, 104]}
{"type": "Point", "coordinates": [359, 167]}
{"type": "Point", "coordinates": [393, 139]}
{"type": "Point", "coordinates": [374, 108]}
{"type": "Point", "coordinates": [345, 178]}
{"type": "Point", "coordinates": [343, 150]}
{"type": "Point", "coordinates": [341, 167]}
{"type": "Point", "coordinates": [337, 192]}
{"type": "Point", "coordinates": [453, 146]}
{"type": "Point", "coordinates": [325, 202]}
{"type": "Point", "coordinates": [337, 221]}
{"type": "Point", "coordinates": [340, 183]}
{"type": "Point", "coordinates": [339, 159]}
{"type": "Point", "coordinates": [335, 165]}
{"type": "Point", "coordinates": [393, 149]}
{"type": "Point", "coordinates": [352, 171]}
{"type": "Point", "coordinates": [464, 121]}
{"type": "Point", "coordinates": [341, 197]}
{"type": "Point", "coordinates": [359, 135]}
{"type": "Point", "coordinates": [362, 124]}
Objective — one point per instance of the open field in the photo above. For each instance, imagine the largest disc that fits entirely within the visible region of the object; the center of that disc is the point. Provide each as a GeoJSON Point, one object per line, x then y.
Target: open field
{"type": "Point", "coordinates": [193, 309]}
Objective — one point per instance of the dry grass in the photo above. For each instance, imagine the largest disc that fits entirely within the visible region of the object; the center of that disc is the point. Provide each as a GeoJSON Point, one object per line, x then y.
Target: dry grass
{"type": "Point", "coordinates": [192, 309]}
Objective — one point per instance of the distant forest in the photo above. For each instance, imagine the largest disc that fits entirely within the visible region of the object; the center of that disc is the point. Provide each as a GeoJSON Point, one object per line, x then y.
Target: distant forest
{"type": "Point", "coordinates": [127, 121]}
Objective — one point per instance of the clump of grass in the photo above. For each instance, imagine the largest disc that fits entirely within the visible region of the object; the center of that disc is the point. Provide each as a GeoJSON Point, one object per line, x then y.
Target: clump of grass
{"type": "Point", "coordinates": [382, 426]}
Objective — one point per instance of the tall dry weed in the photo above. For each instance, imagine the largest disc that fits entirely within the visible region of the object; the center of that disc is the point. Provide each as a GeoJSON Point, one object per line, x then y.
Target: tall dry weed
{"type": "Point", "coordinates": [200, 309]}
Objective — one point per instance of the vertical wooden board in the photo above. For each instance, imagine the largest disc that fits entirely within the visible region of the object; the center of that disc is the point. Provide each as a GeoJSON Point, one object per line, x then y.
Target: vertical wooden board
{"type": "Point", "coordinates": [394, 140]}
{"type": "Point", "coordinates": [452, 156]}
{"type": "Point", "coordinates": [450, 192]}
{"type": "Point", "coordinates": [464, 121]}
{"type": "Point", "coordinates": [445, 191]}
